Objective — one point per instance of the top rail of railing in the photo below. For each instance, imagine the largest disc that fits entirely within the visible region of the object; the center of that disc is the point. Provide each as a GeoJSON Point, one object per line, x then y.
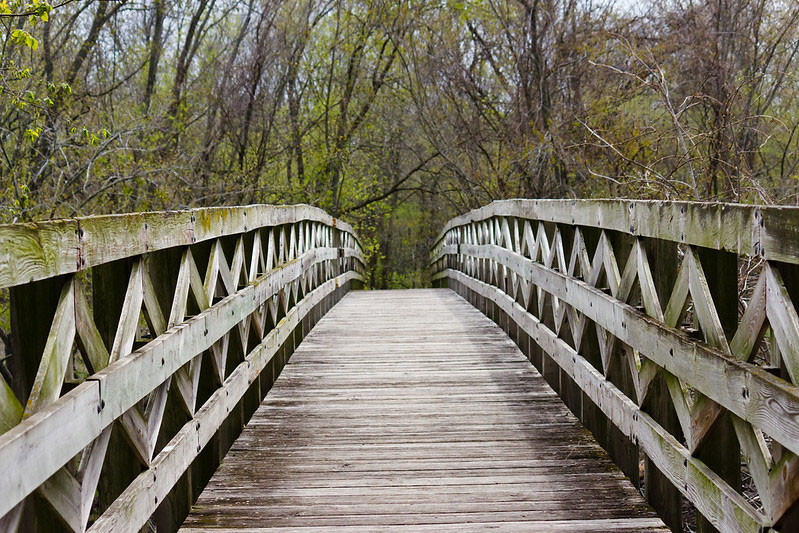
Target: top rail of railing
{"type": "Point", "coordinates": [770, 232]}
{"type": "Point", "coordinates": [38, 250]}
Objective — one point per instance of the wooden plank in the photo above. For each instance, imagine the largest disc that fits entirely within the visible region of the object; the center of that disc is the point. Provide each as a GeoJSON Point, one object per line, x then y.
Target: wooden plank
{"type": "Point", "coordinates": [36, 251]}
{"type": "Point", "coordinates": [714, 498]}
{"type": "Point", "coordinates": [426, 415]}
{"type": "Point", "coordinates": [109, 291]}
{"type": "Point", "coordinates": [593, 525]}
{"type": "Point", "coordinates": [720, 449]}
{"type": "Point", "coordinates": [658, 282]}
{"type": "Point", "coordinates": [769, 232]}
{"type": "Point", "coordinates": [10, 408]}
{"type": "Point", "coordinates": [140, 500]}
{"type": "Point", "coordinates": [57, 350]}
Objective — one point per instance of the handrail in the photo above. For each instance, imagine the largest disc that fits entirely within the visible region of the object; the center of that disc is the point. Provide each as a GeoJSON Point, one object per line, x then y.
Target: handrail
{"type": "Point", "coordinates": [771, 232]}
{"type": "Point", "coordinates": [140, 361]}
{"type": "Point", "coordinates": [630, 309]}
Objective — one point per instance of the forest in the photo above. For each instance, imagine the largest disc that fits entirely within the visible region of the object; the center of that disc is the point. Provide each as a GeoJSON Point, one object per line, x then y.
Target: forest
{"type": "Point", "coordinates": [394, 115]}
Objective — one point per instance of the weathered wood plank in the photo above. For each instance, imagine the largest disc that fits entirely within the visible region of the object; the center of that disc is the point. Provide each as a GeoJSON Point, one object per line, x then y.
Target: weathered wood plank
{"type": "Point", "coordinates": [426, 415]}
{"type": "Point", "coordinates": [769, 403]}
{"type": "Point", "coordinates": [36, 251]}
{"type": "Point", "coordinates": [141, 498]}
{"type": "Point", "coordinates": [757, 231]}
{"type": "Point", "coordinates": [93, 405]}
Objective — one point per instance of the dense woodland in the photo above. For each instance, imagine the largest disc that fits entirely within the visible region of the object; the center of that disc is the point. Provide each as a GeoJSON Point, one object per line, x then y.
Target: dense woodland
{"type": "Point", "coordinates": [394, 115]}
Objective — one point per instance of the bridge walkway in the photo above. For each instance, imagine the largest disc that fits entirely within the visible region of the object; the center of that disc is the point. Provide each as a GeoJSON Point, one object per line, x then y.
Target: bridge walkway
{"type": "Point", "coordinates": [411, 410]}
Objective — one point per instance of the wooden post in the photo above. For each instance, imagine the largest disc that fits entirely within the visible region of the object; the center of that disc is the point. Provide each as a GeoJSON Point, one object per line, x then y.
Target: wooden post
{"type": "Point", "coordinates": [33, 307]}
{"type": "Point", "coordinates": [592, 416]}
{"type": "Point", "coordinates": [660, 493]}
{"type": "Point", "coordinates": [790, 277]}
{"type": "Point", "coordinates": [109, 283]}
{"type": "Point", "coordinates": [720, 449]}
{"type": "Point", "coordinates": [164, 268]}
{"type": "Point", "coordinates": [570, 391]}
{"type": "Point", "coordinates": [621, 449]}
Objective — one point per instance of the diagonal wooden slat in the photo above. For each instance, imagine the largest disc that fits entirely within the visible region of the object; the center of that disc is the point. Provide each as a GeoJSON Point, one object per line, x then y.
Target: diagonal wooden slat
{"type": "Point", "coordinates": [784, 321]}
{"type": "Point", "coordinates": [238, 266]}
{"type": "Point", "coordinates": [129, 317]}
{"type": "Point", "coordinates": [57, 351]}
{"type": "Point", "coordinates": [678, 301]}
{"type": "Point", "coordinates": [132, 388]}
{"type": "Point", "coordinates": [711, 368]}
{"type": "Point", "coordinates": [646, 283]}
{"type": "Point", "coordinates": [752, 326]}
{"type": "Point", "coordinates": [777, 482]}
{"type": "Point", "coordinates": [219, 353]}
{"type": "Point", "coordinates": [152, 309]}
{"type": "Point", "coordinates": [257, 258]}
{"type": "Point", "coordinates": [89, 339]}
{"type": "Point", "coordinates": [704, 308]}
{"type": "Point", "coordinates": [10, 408]}
{"type": "Point", "coordinates": [142, 427]}
{"type": "Point", "coordinates": [72, 496]}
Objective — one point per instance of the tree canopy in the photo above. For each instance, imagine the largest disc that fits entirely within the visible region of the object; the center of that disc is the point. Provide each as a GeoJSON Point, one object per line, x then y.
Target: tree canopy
{"type": "Point", "coordinates": [394, 115]}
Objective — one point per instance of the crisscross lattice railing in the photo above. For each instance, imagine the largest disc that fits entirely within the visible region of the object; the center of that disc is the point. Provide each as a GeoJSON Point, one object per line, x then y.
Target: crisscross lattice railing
{"type": "Point", "coordinates": [669, 328]}
{"type": "Point", "coordinates": [141, 343]}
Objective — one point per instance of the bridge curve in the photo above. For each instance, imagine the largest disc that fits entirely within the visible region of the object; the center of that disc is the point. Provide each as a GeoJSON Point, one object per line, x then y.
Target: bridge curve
{"type": "Point", "coordinates": [412, 409]}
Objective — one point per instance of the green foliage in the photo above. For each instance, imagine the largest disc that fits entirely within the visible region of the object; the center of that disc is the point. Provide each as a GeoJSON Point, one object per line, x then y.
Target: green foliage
{"type": "Point", "coordinates": [392, 115]}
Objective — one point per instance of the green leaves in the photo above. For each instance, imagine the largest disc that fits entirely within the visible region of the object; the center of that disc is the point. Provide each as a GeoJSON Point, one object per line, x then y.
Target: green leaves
{"type": "Point", "coordinates": [32, 134]}
{"type": "Point", "coordinates": [37, 11]}
{"type": "Point", "coordinates": [23, 38]}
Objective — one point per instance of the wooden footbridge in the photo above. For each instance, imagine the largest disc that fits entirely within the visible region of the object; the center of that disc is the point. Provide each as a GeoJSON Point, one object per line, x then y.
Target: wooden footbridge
{"type": "Point", "coordinates": [581, 366]}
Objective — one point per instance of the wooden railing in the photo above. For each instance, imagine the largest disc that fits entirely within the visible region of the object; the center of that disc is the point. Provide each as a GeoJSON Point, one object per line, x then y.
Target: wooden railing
{"type": "Point", "coordinates": [669, 328]}
{"type": "Point", "coordinates": [141, 344]}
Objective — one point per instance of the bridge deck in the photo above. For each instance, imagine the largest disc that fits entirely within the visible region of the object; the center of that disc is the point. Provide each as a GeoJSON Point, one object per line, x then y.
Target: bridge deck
{"type": "Point", "coordinates": [412, 409]}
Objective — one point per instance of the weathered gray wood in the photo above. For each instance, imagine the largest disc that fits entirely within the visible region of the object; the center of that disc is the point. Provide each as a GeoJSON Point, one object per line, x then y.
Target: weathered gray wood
{"type": "Point", "coordinates": [758, 231]}
{"type": "Point", "coordinates": [720, 450]}
{"type": "Point", "coordinates": [146, 331]}
{"type": "Point", "coordinates": [714, 498]}
{"type": "Point", "coordinates": [660, 493]}
{"type": "Point", "coordinates": [425, 415]}
{"type": "Point", "coordinates": [109, 284]}
{"type": "Point", "coordinates": [35, 251]}
{"type": "Point", "coordinates": [476, 523]}
{"type": "Point", "coordinates": [33, 307]}
{"type": "Point", "coordinates": [141, 498]}
{"type": "Point", "coordinates": [770, 403]}
{"type": "Point", "coordinates": [123, 383]}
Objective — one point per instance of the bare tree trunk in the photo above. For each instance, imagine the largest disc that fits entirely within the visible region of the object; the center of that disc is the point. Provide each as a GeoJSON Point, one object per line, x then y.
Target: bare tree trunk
{"type": "Point", "coordinates": [156, 46]}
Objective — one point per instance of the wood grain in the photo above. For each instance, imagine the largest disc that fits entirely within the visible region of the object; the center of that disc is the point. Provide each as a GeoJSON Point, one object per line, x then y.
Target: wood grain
{"type": "Point", "coordinates": [35, 251]}
{"type": "Point", "coordinates": [757, 231]}
{"type": "Point", "coordinates": [411, 409]}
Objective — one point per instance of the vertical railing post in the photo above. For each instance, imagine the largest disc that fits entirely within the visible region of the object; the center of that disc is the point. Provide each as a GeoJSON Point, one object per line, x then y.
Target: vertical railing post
{"type": "Point", "coordinates": [660, 492]}
{"type": "Point", "coordinates": [109, 283]}
{"type": "Point", "coordinates": [592, 416]}
{"type": "Point", "coordinates": [164, 269]}
{"type": "Point", "coordinates": [790, 277]}
{"type": "Point", "coordinates": [621, 449]}
{"type": "Point", "coordinates": [720, 449]}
